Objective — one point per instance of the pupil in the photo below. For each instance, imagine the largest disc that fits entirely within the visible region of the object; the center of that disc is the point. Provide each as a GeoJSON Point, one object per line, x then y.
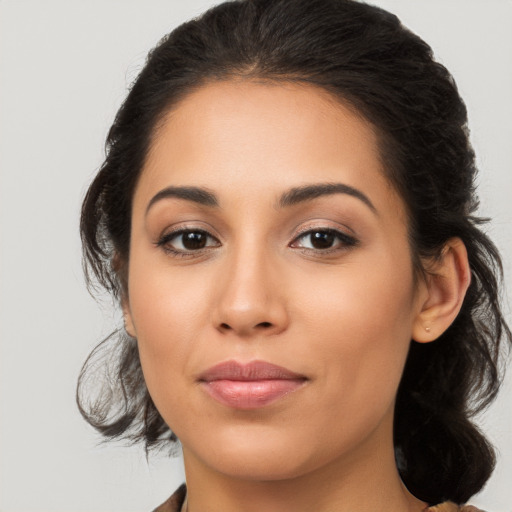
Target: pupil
{"type": "Point", "coordinates": [194, 240]}
{"type": "Point", "coordinates": [322, 240]}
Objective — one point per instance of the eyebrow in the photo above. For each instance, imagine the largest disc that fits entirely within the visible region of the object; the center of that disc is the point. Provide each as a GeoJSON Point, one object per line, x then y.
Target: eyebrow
{"type": "Point", "coordinates": [195, 194]}
{"type": "Point", "coordinates": [291, 197]}
{"type": "Point", "coordinates": [308, 192]}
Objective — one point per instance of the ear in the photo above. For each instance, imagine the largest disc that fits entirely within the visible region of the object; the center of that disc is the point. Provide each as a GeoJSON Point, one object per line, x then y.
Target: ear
{"type": "Point", "coordinates": [120, 267]}
{"type": "Point", "coordinates": [127, 316]}
{"type": "Point", "coordinates": [446, 284]}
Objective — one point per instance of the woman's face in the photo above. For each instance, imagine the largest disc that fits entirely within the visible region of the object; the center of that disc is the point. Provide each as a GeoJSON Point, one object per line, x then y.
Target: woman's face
{"type": "Point", "coordinates": [265, 233]}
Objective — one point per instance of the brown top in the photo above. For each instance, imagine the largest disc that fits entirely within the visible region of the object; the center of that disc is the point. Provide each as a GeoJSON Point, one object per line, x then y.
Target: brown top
{"type": "Point", "coordinates": [448, 506]}
{"type": "Point", "coordinates": [175, 502]}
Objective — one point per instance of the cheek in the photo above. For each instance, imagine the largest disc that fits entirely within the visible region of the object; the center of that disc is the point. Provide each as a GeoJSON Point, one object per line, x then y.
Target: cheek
{"type": "Point", "coordinates": [363, 324]}
{"type": "Point", "coordinates": [165, 304]}
{"type": "Point", "coordinates": [167, 313]}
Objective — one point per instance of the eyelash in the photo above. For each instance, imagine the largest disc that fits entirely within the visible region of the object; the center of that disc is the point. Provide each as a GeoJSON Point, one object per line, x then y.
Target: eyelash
{"type": "Point", "coordinates": [344, 241]}
{"type": "Point", "coordinates": [165, 241]}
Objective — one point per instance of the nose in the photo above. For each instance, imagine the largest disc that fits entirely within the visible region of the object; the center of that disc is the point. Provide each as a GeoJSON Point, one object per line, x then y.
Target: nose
{"type": "Point", "coordinates": [251, 297]}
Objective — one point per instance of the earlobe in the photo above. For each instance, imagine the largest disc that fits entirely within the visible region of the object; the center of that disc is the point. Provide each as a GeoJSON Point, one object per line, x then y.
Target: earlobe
{"type": "Point", "coordinates": [446, 284]}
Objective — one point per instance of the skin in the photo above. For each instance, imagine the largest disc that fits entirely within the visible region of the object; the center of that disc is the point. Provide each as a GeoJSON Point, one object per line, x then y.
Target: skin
{"type": "Point", "coordinates": [343, 317]}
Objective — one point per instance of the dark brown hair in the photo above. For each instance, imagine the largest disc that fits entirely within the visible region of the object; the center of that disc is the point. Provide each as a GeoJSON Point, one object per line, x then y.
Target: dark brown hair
{"type": "Point", "coordinates": [366, 58]}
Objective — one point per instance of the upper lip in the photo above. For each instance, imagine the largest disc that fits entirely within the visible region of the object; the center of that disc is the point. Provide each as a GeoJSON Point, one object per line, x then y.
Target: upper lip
{"type": "Point", "coordinates": [252, 371]}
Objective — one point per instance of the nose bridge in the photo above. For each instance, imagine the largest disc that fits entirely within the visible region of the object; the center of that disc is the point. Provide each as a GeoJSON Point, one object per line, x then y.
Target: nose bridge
{"type": "Point", "coordinates": [249, 300]}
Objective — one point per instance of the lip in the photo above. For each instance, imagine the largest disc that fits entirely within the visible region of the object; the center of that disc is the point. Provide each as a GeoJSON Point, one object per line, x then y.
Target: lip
{"type": "Point", "coordinates": [250, 385]}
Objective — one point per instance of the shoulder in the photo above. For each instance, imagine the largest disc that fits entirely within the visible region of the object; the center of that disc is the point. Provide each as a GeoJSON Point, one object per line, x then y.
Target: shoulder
{"type": "Point", "coordinates": [452, 507]}
{"type": "Point", "coordinates": [175, 502]}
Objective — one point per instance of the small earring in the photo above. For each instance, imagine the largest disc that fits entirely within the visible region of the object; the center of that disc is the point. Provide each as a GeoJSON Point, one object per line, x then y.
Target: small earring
{"type": "Point", "coordinates": [427, 328]}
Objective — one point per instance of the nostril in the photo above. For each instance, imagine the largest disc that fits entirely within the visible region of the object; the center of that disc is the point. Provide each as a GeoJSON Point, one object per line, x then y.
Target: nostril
{"type": "Point", "coordinates": [257, 327]}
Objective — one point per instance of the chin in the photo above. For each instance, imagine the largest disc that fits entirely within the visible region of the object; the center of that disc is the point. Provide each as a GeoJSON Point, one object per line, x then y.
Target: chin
{"type": "Point", "coordinates": [261, 455]}
{"type": "Point", "coordinates": [262, 466]}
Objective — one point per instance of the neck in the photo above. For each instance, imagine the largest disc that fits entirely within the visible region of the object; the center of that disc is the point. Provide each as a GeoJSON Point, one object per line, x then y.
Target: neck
{"type": "Point", "coordinates": [366, 479]}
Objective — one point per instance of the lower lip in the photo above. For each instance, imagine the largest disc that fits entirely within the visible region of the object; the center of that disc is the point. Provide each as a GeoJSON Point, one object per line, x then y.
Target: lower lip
{"type": "Point", "coordinates": [251, 394]}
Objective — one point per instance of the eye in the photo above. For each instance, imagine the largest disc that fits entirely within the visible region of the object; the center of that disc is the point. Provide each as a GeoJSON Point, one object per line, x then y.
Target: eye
{"type": "Point", "coordinates": [325, 239]}
{"type": "Point", "coordinates": [187, 241]}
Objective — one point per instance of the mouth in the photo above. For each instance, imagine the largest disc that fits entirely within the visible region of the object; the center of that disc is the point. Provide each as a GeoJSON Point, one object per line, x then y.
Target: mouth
{"type": "Point", "coordinates": [249, 386]}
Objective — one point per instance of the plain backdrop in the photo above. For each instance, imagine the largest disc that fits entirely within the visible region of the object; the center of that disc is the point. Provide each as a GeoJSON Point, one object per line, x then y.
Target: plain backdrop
{"type": "Point", "coordinates": [65, 66]}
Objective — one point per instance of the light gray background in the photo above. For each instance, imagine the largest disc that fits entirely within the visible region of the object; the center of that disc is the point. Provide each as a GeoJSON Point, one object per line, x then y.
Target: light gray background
{"type": "Point", "coordinates": [64, 69]}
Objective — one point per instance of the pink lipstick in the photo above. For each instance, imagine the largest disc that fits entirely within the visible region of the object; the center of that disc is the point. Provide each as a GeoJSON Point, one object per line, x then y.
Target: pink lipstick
{"type": "Point", "coordinates": [251, 385]}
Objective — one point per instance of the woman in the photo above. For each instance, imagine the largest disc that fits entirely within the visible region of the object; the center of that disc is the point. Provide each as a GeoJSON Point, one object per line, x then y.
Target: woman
{"type": "Point", "coordinates": [286, 215]}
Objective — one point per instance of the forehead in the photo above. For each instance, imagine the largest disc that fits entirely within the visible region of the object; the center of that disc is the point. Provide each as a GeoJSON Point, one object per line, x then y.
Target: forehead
{"type": "Point", "coordinates": [265, 115]}
{"type": "Point", "coordinates": [263, 137]}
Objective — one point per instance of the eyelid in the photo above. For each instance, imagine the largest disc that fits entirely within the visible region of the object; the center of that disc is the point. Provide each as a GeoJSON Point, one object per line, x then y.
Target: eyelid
{"type": "Point", "coordinates": [324, 225]}
{"type": "Point", "coordinates": [187, 225]}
